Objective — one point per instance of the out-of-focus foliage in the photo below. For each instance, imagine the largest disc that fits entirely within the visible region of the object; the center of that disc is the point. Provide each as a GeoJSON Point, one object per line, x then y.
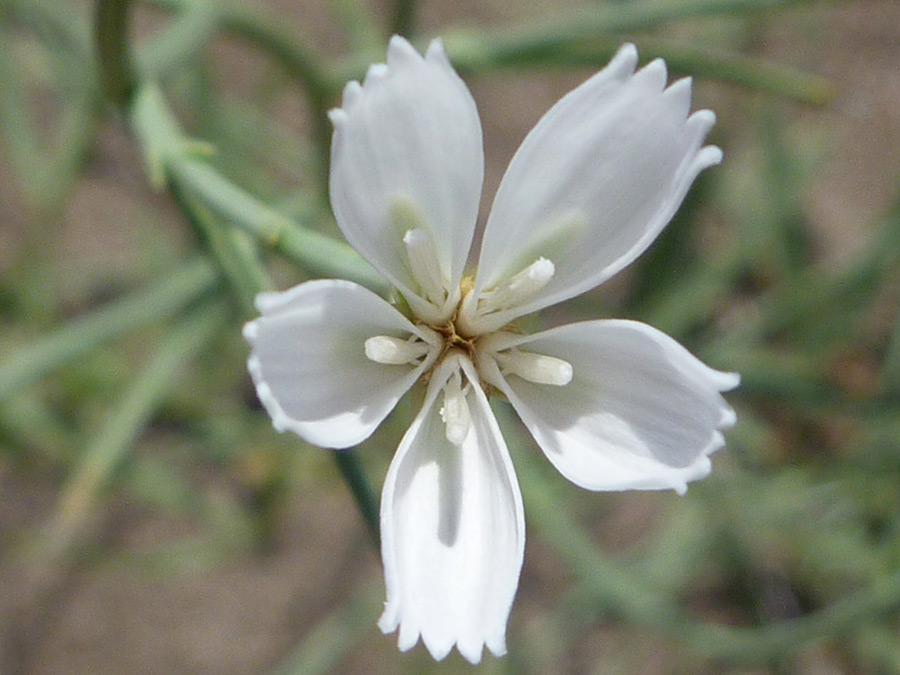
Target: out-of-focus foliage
{"type": "Point", "coordinates": [123, 390]}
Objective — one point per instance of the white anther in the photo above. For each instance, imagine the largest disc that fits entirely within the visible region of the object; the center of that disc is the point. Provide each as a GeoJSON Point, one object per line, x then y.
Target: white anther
{"type": "Point", "coordinates": [426, 269]}
{"type": "Point", "coordinates": [537, 368]}
{"type": "Point", "coordinates": [394, 351]}
{"type": "Point", "coordinates": [455, 411]}
{"type": "Point", "coordinates": [518, 289]}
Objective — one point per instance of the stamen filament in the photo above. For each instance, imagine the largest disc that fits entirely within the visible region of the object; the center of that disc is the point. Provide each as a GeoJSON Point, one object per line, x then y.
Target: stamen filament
{"type": "Point", "coordinates": [426, 269]}
{"type": "Point", "coordinates": [518, 289]}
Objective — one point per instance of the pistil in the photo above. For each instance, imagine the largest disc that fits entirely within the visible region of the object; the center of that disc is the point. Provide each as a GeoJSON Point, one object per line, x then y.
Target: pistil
{"type": "Point", "coordinates": [425, 267]}
{"type": "Point", "coordinates": [518, 289]}
{"type": "Point", "coordinates": [455, 411]}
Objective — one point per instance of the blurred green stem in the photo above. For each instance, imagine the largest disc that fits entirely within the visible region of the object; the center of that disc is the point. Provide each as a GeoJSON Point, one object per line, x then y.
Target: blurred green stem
{"type": "Point", "coordinates": [171, 155]}
{"type": "Point", "coordinates": [403, 18]}
{"type": "Point", "coordinates": [153, 304]}
{"type": "Point", "coordinates": [232, 251]}
{"type": "Point", "coordinates": [133, 413]}
{"type": "Point", "coordinates": [318, 254]}
{"type": "Point", "coordinates": [329, 641]}
{"type": "Point", "coordinates": [353, 474]}
{"type": "Point", "coordinates": [177, 161]}
{"type": "Point", "coordinates": [114, 60]}
{"type": "Point", "coordinates": [594, 20]}
{"type": "Point", "coordinates": [270, 35]}
{"type": "Point", "coordinates": [699, 62]}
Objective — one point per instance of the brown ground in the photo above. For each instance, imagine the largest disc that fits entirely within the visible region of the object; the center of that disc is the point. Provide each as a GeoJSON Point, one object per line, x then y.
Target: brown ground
{"type": "Point", "coordinates": [244, 616]}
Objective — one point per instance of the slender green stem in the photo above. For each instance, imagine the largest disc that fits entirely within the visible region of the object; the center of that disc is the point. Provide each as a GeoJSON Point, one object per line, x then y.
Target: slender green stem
{"type": "Point", "coordinates": [155, 303]}
{"type": "Point", "coordinates": [169, 155]}
{"type": "Point", "coordinates": [318, 254]}
{"type": "Point", "coordinates": [891, 365]}
{"type": "Point", "coordinates": [48, 163]}
{"type": "Point", "coordinates": [767, 643]}
{"type": "Point", "coordinates": [132, 414]}
{"type": "Point", "coordinates": [353, 474]}
{"type": "Point", "coordinates": [114, 59]}
{"type": "Point", "coordinates": [697, 61]}
{"type": "Point", "coordinates": [403, 17]}
{"type": "Point", "coordinates": [358, 24]}
{"type": "Point", "coordinates": [592, 20]}
{"type": "Point", "coordinates": [186, 36]}
{"type": "Point", "coordinates": [267, 33]}
{"type": "Point", "coordinates": [30, 424]}
{"type": "Point", "coordinates": [231, 250]}
{"type": "Point", "coordinates": [17, 127]}
{"type": "Point", "coordinates": [300, 62]}
{"type": "Point", "coordinates": [172, 160]}
{"type": "Point", "coordinates": [326, 644]}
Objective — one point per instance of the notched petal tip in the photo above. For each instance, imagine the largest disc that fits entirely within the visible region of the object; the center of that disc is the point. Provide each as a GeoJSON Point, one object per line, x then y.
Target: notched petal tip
{"type": "Point", "coordinates": [678, 94]}
{"type": "Point", "coordinates": [699, 124]}
{"type": "Point", "coordinates": [375, 73]}
{"type": "Point", "coordinates": [710, 155]}
{"type": "Point", "coordinates": [352, 92]}
{"type": "Point", "coordinates": [337, 117]}
{"type": "Point", "coordinates": [727, 420]}
{"type": "Point", "coordinates": [653, 75]}
{"type": "Point", "coordinates": [624, 63]}
{"type": "Point", "coordinates": [250, 331]}
{"type": "Point", "coordinates": [436, 52]}
{"type": "Point", "coordinates": [401, 53]}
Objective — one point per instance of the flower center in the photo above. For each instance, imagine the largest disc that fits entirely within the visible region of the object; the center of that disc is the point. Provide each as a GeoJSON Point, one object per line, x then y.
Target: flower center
{"type": "Point", "coordinates": [449, 330]}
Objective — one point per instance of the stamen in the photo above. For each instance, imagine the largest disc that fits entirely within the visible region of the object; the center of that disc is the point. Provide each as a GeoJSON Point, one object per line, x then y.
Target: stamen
{"type": "Point", "coordinates": [395, 351]}
{"type": "Point", "coordinates": [518, 289]}
{"type": "Point", "coordinates": [423, 262]}
{"type": "Point", "coordinates": [537, 368]}
{"type": "Point", "coordinates": [455, 411]}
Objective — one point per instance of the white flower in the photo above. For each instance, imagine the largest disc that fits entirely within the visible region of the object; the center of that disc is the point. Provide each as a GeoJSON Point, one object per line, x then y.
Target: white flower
{"type": "Point", "coordinates": [613, 404]}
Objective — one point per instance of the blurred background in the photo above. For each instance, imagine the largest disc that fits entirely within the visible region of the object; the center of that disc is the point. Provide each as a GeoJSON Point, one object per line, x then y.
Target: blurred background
{"type": "Point", "coordinates": [162, 160]}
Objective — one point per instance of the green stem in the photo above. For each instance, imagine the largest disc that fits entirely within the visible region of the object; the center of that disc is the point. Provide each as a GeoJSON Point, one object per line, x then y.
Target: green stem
{"type": "Point", "coordinates": [593, 21]}
{"type": "Point", "coordinates": [232, 251]}
{"type": "Point", "coordinates": [173, 157]}
{"type": "Point", "coordinates": [111, 34]}
{"type": "Point", "coordinates": [320, 255]}
{"type": "Point", "coordinates": [169, 154]}
{"type": "Point", "coordinates": [269, 34]}
{"type": "Point", "coordinates": [137, 405]}
{"type": "Point", "coordinates": [184, 38]}
{"type": "Point", "coordinates": [299, 62]}
{"type": "Point", "coordinates": [354, 475]}
{"type": "Point", "coordinates": [403, 17]}
{"type": "Point", "coordinates": [155, 303]}
{"type": "Point", "coordinates": [699, 62]}
{"type": "Point", "coordinates": [327, 643]}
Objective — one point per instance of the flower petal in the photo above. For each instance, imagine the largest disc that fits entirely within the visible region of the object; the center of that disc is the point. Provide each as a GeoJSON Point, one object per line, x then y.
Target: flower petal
{"type": "Point", "coordinates": [596, 180]}
{"type": "Point", "coordinates": [309, 364]}
{"type": "Point", "coordinates": [407, 147]}
{"type": "Point", "coordinates": [639, 413]}
{"type": "Point", "coordinates": [452, 530]}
